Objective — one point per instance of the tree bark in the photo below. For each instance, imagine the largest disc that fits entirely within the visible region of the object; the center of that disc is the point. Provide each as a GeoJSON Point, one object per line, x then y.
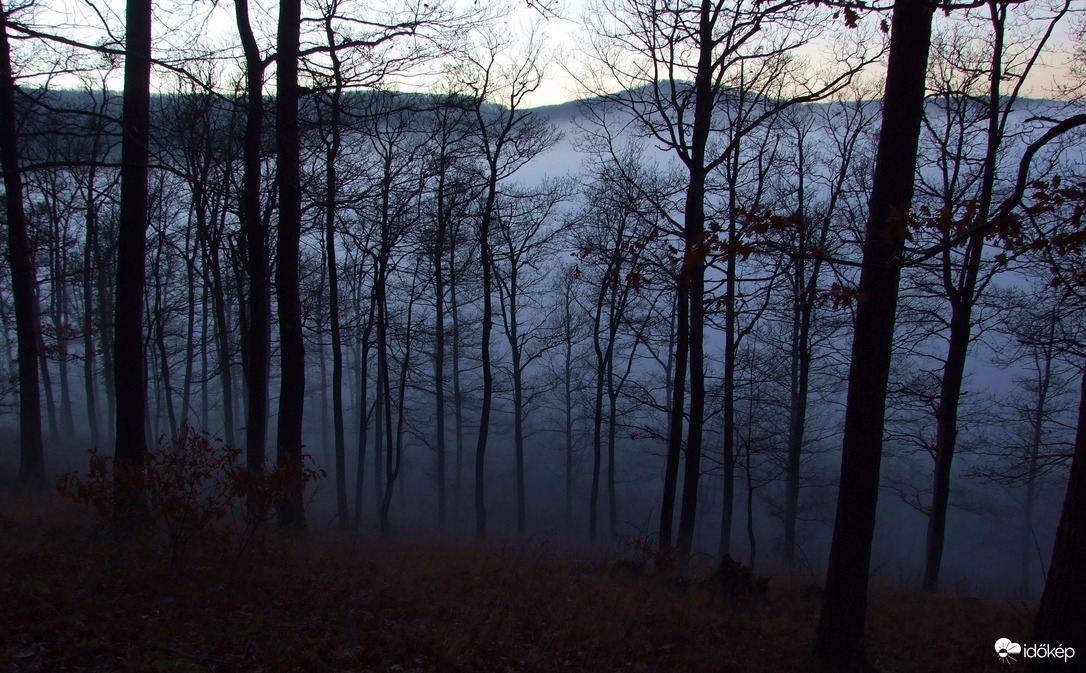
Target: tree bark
{"type": "Point", "coordinates": [256, 337]}
{"type": "Point", "coordinates": [89, 356]}
{"type": "Point", "coordinates": [331, 181]}
{"type": "Point", "coordinates": [20, 256]}
{"type": "Point", "coordinates": [840, 635]}
{"type": "Point", "coordinates": [1061, 616]}
{"type": "Point", "coordinates": [962, 300]}
{"type": "Point", "coordinates": [291, 345]}
{"type": "Point", "coordinates": [129, 357]}
{"type": "Point", "coordinates": [363, 418]}
{"type": "Point", "coordinates": [693, 270]}
{"type": "Point", "coordinates": [488, 375]}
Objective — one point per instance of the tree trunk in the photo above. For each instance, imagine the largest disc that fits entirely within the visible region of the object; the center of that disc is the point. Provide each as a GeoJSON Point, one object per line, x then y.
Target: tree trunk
{"type": "Point", "coordinates": [27, 324]}
{"type": "Point", "coordinates": [129, 356]}
{"type": "Point", "coordinates": [518, 409]}
{"type": "Point", "coordinates": [962, 300]}
{"type": "Point", "coordinates": [380, 400]}
{"type": "Point", "coordinates": [840, 636]}
{"type": "Point", "coordinates": [797, 416]}
{"type": "Point", "coordinates": [1036, 436]}
{"type": "Point", "coordinates": [692, 275]}
{"type": "Point", "coordinates": [1061, 616]}
{"type": "Point", "coordinates": [165, 387]}
{"type": "Point", "coordinates": [729, 457]}
{"type": "Point", "coordinates": [46, 376]}
{"type": "Point", "coordinates": [946, 416]}
{"type": "Point", "coordinates": [612, 421]}
{"type": "Point", "coordinates": [89, 359]}
{"type": "Point", "coordinates": [363, 419]}
{"type": "Point", "coordinates": [105, 337]}
{"type": "Point", "coordinates": [597, 419]}
{"type": "Point", "coordinates": [488, 374]}
{"type": "Point", "coordinates": [678, 398]}
{"type": "Point", "coordinates": [291, 345]}
{"type": "Point", "coordinates": [458, 400]}
{"type": "Point", "coordinates": [567, 383]}
{"type": "Point", "coordinates": [190, 327]}
{"type": "Point", "coordinates": [222, 339]}
{"type": "Point", "coordinates": [256, 337]}
{"type": "Point", "coordinates": [62, 327]}
{"type": "Point", "coordinates": [438, 261]}
{"type": "Point", "coordinates": [488, 382]}
{"type": "Point", "coordinates": [384, 396]}
{"type": "Point", "coordinates": [331, 186]}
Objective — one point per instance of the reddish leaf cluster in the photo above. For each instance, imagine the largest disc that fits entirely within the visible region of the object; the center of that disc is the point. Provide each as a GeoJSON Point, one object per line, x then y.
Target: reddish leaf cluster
{"type": "Point", "coordinates": [195, 488]}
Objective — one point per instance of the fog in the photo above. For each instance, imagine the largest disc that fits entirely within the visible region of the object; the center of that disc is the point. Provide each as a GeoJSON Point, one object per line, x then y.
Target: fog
{"type": "Point", "coordinates": [985, 535]}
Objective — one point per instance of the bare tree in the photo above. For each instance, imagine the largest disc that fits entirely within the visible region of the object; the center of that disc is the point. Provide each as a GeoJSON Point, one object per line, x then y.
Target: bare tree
{"type": "Point", "coordinates": [678, 62]}
{"type": "Point", "coordinates": [525, 228]}
{"type": "Point", "coordinates": [507, 137]}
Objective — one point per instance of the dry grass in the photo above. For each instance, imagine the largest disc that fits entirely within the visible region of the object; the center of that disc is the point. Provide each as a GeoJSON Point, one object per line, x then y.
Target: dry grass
{"type": "Point", "coordinates": [74, 599]}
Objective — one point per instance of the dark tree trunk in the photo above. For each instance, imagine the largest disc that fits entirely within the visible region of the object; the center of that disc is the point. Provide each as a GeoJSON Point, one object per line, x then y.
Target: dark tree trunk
{"type": "Point", "coordinates": [694, 271]}
{"type": "Point", "coordinates": [678, 399]}
{"type": "Point", "coordinates": [105, 337]}
{"type": "Point", "coordinates": [46, 379]}
{"type": "Point", "coordinates": [458, 400]}
{"type": "Point", "coordinates": [488, 374]}
{"type": "Point", "coordinates": [962, 300]}
{"type": "Point", "coordinates": [840, 636]}
{"type": "Point", "coordinates": [89, 359]}
{"type": "Point", "coordinates": [946, 436]}
{"type": "Point", "coordinates": [567, 389]}
{"type": "Point", "coordinates": [597, 415]}
{"type": "Point", "coordinates": [1040, 409]}
{"type": "Point", "coordinates": [804, 291]}
{"type": "Point", "coordinates": [518, 413]}
{"type": "Point", "coordinates": [331, 185]}
{"type": "Point", "coordinates": [727, 513]}
{"type": "Point", "coordinates": [191, 251]}
{"type": "Point", "coordinates": [165, 384]}
{"type": "Point", "coordinates": [1061, 616]}
{"type": "Point", "coordinates": [222, 342]}
{"type": "Point", "coordinates": [797, 415]}
{"type": "Point", "coordinates": [256, 336]}
{"type": "Point", "coordinates": [384, 405]}
{"type": "Point", "coordinates": [612, 427]}
{"type": "Point", "coordinates": [20, 256]}
{"type": "Point", "coordinates": [438, 255]}
{"type": "Point", "coordinates": [692, 280]}
{"type": "Point", "coordinates": [129, 359]}
{"type": "Point", "coordinates": [291, 345]}
{"type": "Point", "coordinates": [363, 418]}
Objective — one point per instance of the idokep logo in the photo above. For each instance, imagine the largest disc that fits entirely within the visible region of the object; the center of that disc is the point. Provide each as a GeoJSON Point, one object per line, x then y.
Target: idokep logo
{"type": "Point", "coordinates": [1006, 649]}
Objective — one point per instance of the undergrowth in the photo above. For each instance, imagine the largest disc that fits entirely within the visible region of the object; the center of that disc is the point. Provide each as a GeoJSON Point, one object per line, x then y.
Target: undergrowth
{"type": "Point", "coordinates": [194, 491]}
{"type": "Point", "coordinates": [74, 600]}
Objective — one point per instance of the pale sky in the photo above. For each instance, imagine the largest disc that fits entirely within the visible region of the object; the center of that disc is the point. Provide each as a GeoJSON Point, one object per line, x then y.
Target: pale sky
{"type": "Point", "coordinates": [214, 23]}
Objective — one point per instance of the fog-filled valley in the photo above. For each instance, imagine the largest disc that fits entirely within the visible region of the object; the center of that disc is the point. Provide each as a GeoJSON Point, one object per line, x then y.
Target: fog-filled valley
{"type": "Point", "coordinates": [557, 243]}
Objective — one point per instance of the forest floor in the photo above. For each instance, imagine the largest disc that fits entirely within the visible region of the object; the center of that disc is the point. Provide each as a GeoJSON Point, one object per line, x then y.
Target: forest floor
{"type": "Point", "coordinates": [73, 598]}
